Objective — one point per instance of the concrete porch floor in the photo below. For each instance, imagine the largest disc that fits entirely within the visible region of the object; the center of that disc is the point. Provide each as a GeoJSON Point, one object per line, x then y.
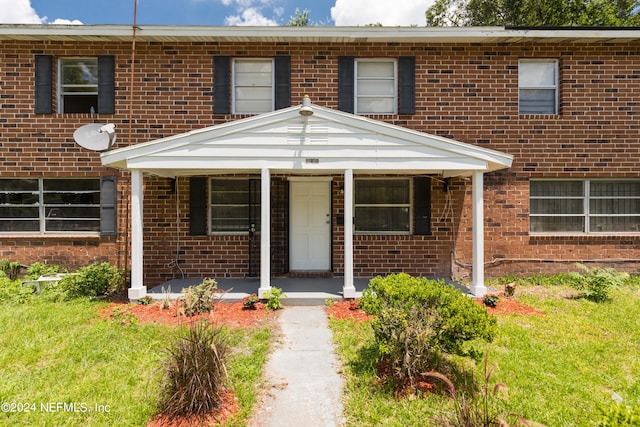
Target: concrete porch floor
{"type": "Point", "coordinates": [299, 291]}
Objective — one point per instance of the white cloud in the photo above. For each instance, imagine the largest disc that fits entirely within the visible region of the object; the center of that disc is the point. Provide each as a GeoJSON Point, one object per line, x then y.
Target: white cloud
{"type": "Point", "coordinates": [18, 12]}
{"type": "Point", "coordinates": [65, 22]}
{"type": "Point", "coordinates": [363, 12]}
{"type": "Point", "coordinates": [21, 12]}
{"type": "Point", "coordinates": [251, 17]}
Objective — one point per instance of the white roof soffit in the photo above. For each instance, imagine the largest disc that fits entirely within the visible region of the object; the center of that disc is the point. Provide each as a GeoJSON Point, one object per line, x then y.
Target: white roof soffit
{"type": "Point", "coordinates": [283, 140]}
{"type": "Point", "coordinates": [165, 33]}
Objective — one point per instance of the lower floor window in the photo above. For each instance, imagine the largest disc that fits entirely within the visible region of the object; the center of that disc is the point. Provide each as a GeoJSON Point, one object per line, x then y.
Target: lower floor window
{"type": "Point", "coordinates": [383, 205]}
{"type": "Point", "coordinates": [49, 205]}
{"type": "Point", "coordinates": [234, 205]}
{"type": "Point", "coordinates": [585, 206]}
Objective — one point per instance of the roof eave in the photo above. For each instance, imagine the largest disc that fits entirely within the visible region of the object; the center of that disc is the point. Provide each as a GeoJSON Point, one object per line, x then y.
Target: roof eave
{"type": "Point", "coordinates": [310, 34]}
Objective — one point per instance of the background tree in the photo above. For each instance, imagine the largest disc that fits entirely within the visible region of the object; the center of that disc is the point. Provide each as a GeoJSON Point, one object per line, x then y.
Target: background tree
{"type": "Point", "coordinates": [300, 19]}
{"type": "Point", "coordinates": [539, 13]}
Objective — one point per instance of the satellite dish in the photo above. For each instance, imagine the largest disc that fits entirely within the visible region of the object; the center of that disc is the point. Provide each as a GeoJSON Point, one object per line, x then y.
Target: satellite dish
{"type": "Point", "coordinates": [95, 137]}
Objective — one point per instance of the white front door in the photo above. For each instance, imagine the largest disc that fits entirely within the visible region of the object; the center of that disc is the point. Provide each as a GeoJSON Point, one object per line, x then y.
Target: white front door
{"type": "Point", "coordinates": [310, 226]}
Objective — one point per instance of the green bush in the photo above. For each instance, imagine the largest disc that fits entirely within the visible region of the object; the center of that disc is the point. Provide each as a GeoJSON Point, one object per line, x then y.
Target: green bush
{"type": "Point", "coordinates": [274, 298]}
{"type": "Point", "coordinates": [95, 280]}
{"type": "Point", "coordinates": [200, 298]}
{"type": "Point", "coordinates": [195, 370]}
{"type": "Point", "coordinates": [249, 302]}
{"type": "Point", "coordinates": [491, 300]}
{"type": "Point", "coordinates": [38, 269]}
{"type": "Point", "coordinates": [417, 320]}
{"type": "Point", "coordinates": [12, 291]}
{"type": "Point", "coordinates": [597, 283]}
{"type": "Point", "coordinates": [619, 415]}
{"type": "Point", "coordinates": [10, 268]}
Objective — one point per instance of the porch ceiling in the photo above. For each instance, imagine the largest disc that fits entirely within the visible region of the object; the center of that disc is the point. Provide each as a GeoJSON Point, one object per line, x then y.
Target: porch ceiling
{"type": "Point", "coordinates": [325, 142]}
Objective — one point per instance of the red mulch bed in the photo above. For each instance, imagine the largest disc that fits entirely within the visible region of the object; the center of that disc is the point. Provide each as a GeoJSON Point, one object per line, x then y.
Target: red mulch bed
{"type": "Point", "coordinates": [507, 306]}
{"type": "Point", "coordinates": [227, 313]}
{"type": "Point", "coordinates": [347, 310]}
{"type": "Point", "coordinates": [228, 407]}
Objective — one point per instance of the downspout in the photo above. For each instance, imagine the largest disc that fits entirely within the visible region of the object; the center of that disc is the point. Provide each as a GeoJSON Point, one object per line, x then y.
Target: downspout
{"type": "Point", "coordinates": [129, 135]}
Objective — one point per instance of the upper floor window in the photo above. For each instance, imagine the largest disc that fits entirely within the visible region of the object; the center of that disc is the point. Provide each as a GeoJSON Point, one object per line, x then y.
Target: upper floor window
{"type": "Point", "coordinates": [78, 91]}
{"type": "Point", "coordinates": [585, 206]}
{"type": "Point", "coordinates": [84, 85]}
{"type": "Point", "coordinates": [50, 205]}
{"type": "Point", "coordinates": [538, 86]}
{"type": "Point", "coordinates": [376, 83]}
{"type": "Point", "coordinates": [377, 86]}
{"type": "Point", "coordinates": [253, 86]}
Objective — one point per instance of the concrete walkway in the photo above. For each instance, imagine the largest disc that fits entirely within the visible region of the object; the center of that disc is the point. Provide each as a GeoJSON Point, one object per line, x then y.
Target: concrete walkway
{"type": "Point", "coordinates": [302, 371]}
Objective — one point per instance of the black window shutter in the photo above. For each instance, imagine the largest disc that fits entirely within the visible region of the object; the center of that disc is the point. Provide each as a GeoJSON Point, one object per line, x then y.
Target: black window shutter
{"type": "Point", "coordinates": [346, 84]}
{"type": "Point", "coordinates": [407, 85]}
{"type": "Point", "coordinates": [283, 82]}
{"type": "Point", "coordinates": [106, 85]}
{"type": "Point", "coordinates": [108, 206]}
{"type": "Point", "coordinates": [221, 84]}
{"type": "Point", "coordinates": [422, 205]}
{"type": "Point", "coordinates": [198, 206]}
{"type": "Point", "coordinates": [44, 84]}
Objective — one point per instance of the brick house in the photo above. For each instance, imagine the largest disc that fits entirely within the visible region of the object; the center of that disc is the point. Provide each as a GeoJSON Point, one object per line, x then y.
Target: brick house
{"type": "Point", "coordinates": [454, 152]}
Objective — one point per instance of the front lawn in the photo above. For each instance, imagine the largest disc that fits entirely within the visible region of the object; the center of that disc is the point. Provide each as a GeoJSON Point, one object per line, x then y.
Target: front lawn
{"type": "Point", "coordinates": [62, 364]}
{"type": "Point", "coordinates": [560, 368]}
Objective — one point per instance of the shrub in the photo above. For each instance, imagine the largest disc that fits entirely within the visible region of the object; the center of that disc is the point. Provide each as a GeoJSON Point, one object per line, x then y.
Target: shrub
{"type": "Point", "coordinates": [490, 300]}
{"type": "Point", "coordinates": [10, 268]}
{"type": "Point", "coordinates": [195, 370]}
{"type": "Point", "coordinates": [145, 300]}
{"type": "Point", "coordinates": [95, 280]}
{"type": "Point", "coordinates": [274, 298]}
{"type": "Point", "coordinates": [12, 291]}
{"type": "Point", "coordinates": [596, 283]}
{"type": "Point", "coordinates": [38, 269]}
{"type": "Point", "coordinates": [417, 320]}
{"type": "Point", "coordinates": [249, 302]}
{"type": "Point", "coordinates": [200, 298]}
{"type": "Point", "coordinates": [619, 415]}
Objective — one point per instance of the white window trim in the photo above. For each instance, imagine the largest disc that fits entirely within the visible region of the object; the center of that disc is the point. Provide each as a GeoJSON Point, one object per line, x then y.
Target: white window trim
{"type": "Point", "coordinates": [395, 84]}
{"type": "Point", "coordinates": [556, 87]}
{"type": "Point", "coordinates": [233, 83]}
{"type": "Point", "coordinates": [60, 91]}
{"type": "Point", "coordinates": [409, 205]}
{"type": "Point", "coordinates": [586, 182]}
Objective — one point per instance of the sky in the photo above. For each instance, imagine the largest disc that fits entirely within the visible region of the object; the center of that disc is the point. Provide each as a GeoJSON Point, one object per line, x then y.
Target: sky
{"type": "Point", "coordinates": [214, 12]}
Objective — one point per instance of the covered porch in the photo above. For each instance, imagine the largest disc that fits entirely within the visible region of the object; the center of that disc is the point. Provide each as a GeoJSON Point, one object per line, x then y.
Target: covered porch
{"type": "Point", "coordinates": [308, 144]}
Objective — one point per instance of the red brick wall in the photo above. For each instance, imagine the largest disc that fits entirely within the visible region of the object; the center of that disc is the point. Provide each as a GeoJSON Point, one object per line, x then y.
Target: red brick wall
{"type": "Point", "coordinates": [467, 92]}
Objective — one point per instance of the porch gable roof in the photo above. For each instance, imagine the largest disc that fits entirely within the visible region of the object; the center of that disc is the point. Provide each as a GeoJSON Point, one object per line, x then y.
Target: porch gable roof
{"type": "Point", "coordinates": [284, 140]}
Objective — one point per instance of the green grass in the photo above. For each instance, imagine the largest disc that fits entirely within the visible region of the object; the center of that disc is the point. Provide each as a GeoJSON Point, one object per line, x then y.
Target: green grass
{"type": "Point", "coordinates": [560, 368]}
{"type": "Point", "coordinates": [56, 353]}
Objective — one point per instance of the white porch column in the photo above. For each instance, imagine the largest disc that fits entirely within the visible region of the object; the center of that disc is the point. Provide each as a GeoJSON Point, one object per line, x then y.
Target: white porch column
{"type": "Point", "coordinates": [348, 290]}
{"type": "Point", "coordinates": [137, 289]}
{"type": "Point", "coordinates": [478, 289]}
{"type": "Point", "coordinates": [265, 232]}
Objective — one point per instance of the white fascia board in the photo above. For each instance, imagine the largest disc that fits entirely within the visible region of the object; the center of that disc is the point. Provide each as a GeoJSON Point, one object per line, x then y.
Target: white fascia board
{"type": "Point", "coordinates": [307, 34]}
{"type": "Point", "coordinates": [299, 163]}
